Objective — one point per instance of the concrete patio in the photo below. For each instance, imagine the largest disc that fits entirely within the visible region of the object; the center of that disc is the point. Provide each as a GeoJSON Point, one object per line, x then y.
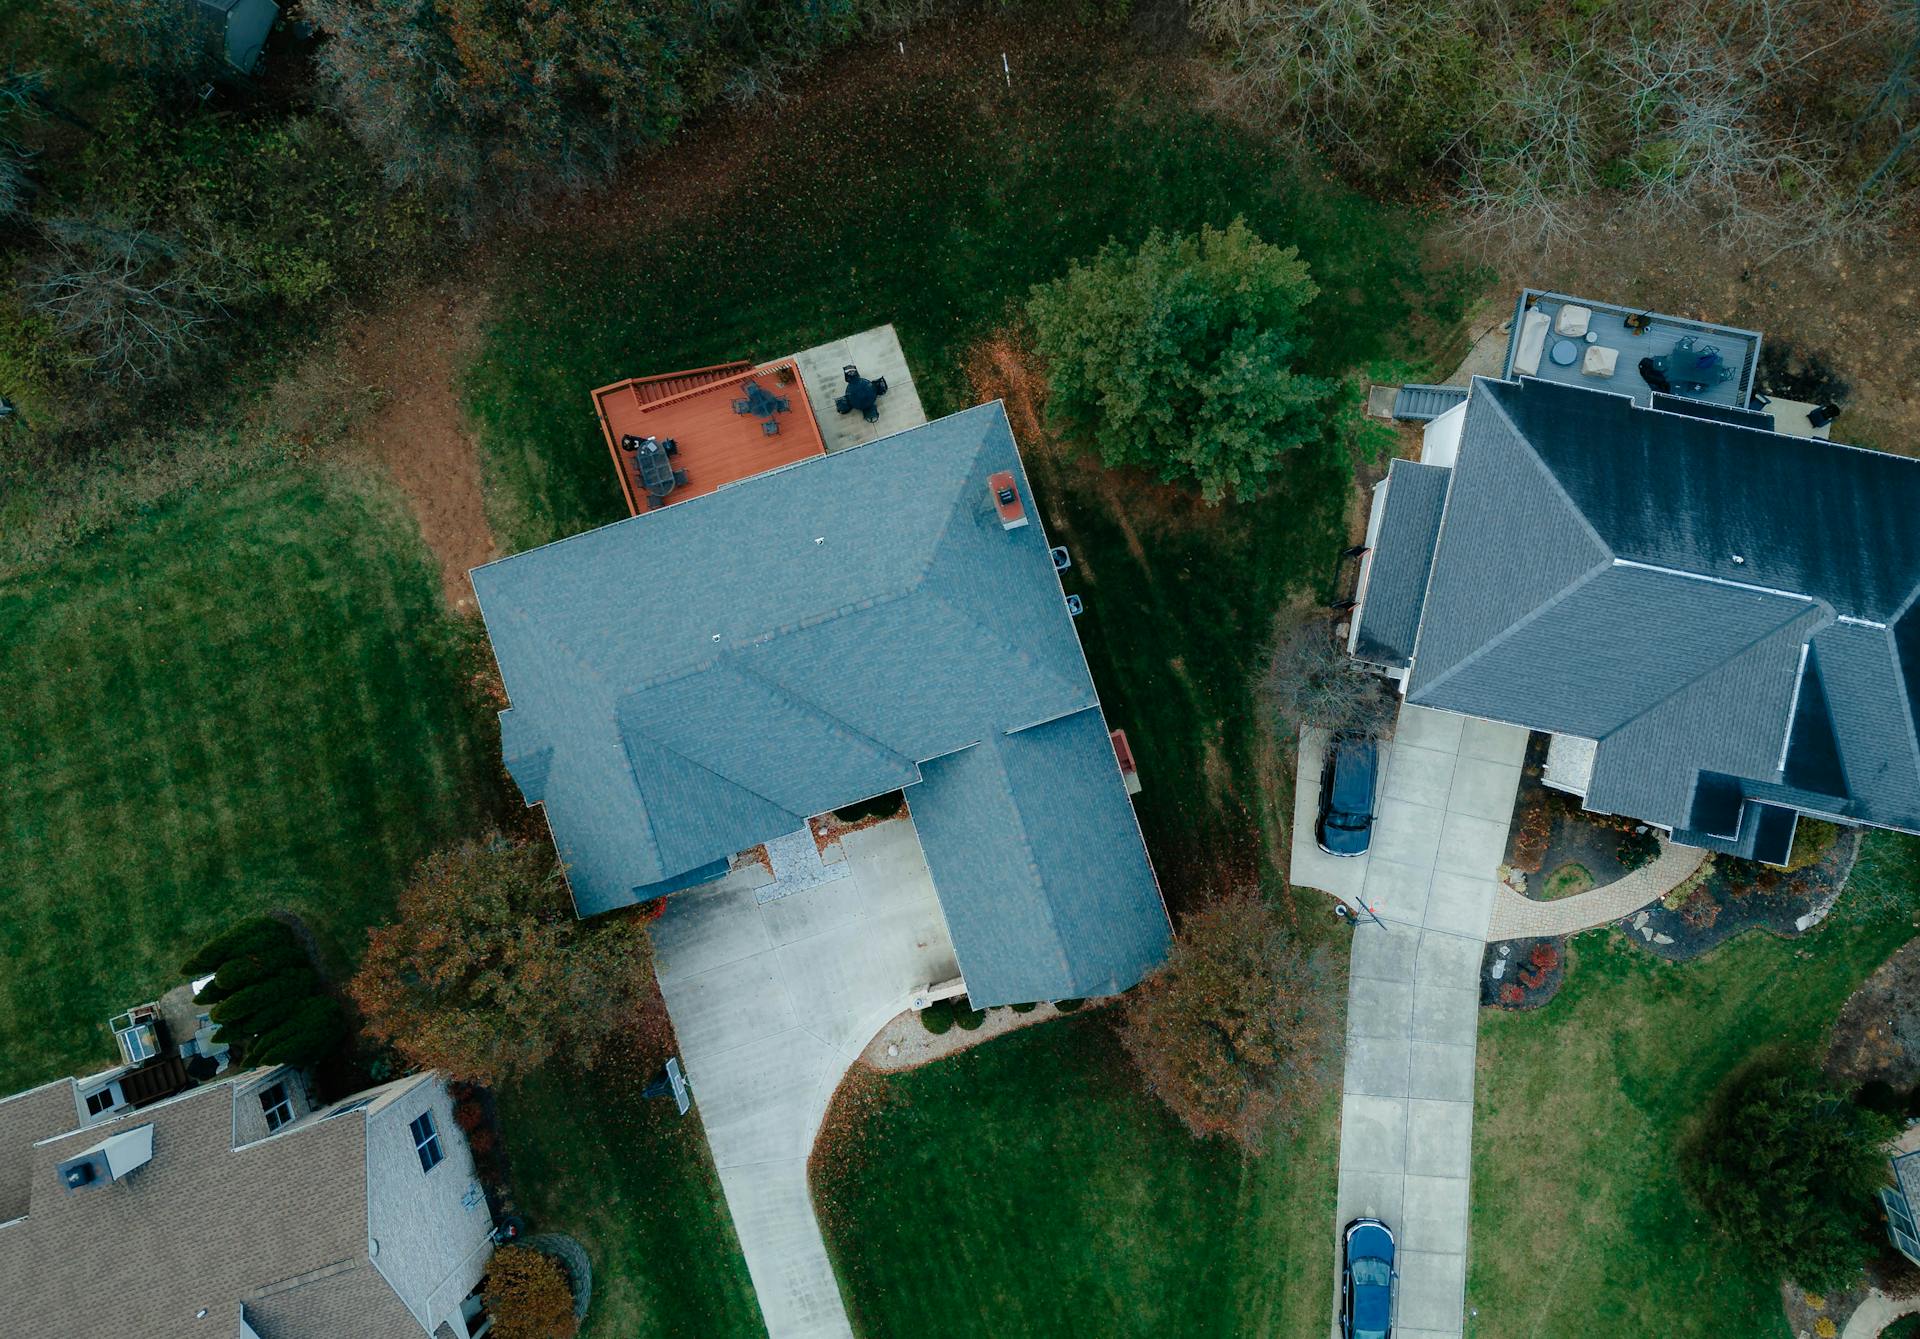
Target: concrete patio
{"type": "Point", "coordinates": [877, 354]}
{"type": "Point", "coordinates": [1406, 1125]}
{"type": "Point", "coordinates": [773, 997]}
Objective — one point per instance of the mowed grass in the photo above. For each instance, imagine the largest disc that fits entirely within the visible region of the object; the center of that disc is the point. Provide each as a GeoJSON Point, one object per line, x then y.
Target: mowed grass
{"type": "Point", "coordinates": [245, 701]}
{"type": "Point", "coordinates": [1580, 1222]}
{"type": "Point", "coordinates": [1030, 1187]}
{"type": "Point", "coordinates": [633, 1181]}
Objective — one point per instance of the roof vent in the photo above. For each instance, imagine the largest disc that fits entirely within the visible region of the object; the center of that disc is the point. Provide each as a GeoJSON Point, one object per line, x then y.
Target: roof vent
{"type": "Point", "coordinates": [1738, 559]}
{"type": "Point", "coordinates": [1006, 500]}
{"type": "Point", "coordinates": [112, 1159]}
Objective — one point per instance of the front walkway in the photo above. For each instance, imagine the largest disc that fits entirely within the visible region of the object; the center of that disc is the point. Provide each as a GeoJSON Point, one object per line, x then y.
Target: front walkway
{"type": "Point", "coordinates": [1406, 1119]}
{"type": "Point", "coordinates": [773, 995]}
{"type": "Point", "coordinates": [1518, 917]}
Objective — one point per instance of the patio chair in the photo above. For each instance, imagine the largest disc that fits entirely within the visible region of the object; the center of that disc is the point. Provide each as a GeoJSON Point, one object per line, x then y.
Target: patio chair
{"type": "Point", "coordinates": [742, 407]}
{"type": "Point", "coordinates": [770, 427]}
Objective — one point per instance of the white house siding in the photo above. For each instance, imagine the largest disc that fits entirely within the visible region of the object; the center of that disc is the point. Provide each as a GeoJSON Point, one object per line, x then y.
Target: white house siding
{"type": "Point", "coordinates": [433, 1247]}
{"type": "Point", "coordinates": [1440, 439]}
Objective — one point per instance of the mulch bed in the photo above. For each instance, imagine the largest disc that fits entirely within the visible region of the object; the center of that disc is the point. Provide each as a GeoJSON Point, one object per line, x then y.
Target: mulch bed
{"type": "Point", "coordinates": [1869, 1039]}
{"type": "Point", "coordinates": [1550, 831]}
{"type": "Point", "coordinates": [1522, 973]}
{"type": "Point", "coordinates": [1730, 897]}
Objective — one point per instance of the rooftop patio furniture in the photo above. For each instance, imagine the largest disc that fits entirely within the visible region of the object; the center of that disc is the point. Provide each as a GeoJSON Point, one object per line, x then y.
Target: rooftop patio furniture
{"type": "Point", "coordinates": [1565, 353]}
{"type": "Point", "coordinates": [1572, 320]}
{"type": "Point", "coordinates": [1599, 361]}
{"type": "Point", "coordinates": [1530, 341]}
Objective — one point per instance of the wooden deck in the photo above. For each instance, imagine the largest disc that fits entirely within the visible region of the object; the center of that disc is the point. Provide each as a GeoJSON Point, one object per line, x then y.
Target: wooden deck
{"type": "Point", "coordinates": [695, 409]}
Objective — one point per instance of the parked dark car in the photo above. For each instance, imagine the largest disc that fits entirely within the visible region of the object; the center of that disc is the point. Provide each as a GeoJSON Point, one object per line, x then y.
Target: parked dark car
{"type": "Point", "coordinates": [1366, 1280]}
{"type": "Point", "coordinates": [1347, 784]}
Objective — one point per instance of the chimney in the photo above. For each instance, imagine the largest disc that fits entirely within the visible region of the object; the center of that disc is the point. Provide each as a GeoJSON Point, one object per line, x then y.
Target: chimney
{"type": "Point", "coordinates": [1006, 500]}
{"type": "Point", "coordinates": [110, 1160]}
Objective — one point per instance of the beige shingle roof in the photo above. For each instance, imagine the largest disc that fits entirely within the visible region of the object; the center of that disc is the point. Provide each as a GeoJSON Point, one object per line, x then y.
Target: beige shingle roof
{"type": "Point", "coordinates": [279, 1225]}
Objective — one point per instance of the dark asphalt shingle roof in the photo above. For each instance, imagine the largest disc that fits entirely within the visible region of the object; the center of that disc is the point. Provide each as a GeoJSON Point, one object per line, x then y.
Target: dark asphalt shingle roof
{"type": "Point", "coordinates": [1696, 595]}
{"type": "Point", "coordinates": [696, 680]}
{"type": "Point", "coordinates": [1401, 560]}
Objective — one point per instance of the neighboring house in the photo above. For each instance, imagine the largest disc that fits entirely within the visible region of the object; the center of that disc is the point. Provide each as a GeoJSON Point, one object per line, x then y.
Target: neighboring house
{"type": "Point", "coordinates": [1901, 1200]}
{"type": "Point", "coordinates": [1715, 620]}
{"type": "Point", "coordinates": [238, 1210]}
{"type": "Point", "coordinates": [235, 30]}
{"type": "Point", "coordinates": [697, 680]}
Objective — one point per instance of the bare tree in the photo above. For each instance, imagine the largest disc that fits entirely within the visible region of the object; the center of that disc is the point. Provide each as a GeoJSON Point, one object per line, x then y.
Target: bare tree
{"type": "Point", "coordinates": [19, 91]}
{"type": "Point", "coordinates": [134, 300]}
{"type": "Point", "coordinates": [1310, 682]}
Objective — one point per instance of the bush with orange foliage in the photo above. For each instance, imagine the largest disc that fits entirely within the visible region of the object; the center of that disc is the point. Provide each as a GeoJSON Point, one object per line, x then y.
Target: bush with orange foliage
{"type": "Point", "coordinates": [487, 972]}
{"type": "Point", "coordinates": [529, 1295]}
{"type": "Point", "coordinates": [1236, 1033]}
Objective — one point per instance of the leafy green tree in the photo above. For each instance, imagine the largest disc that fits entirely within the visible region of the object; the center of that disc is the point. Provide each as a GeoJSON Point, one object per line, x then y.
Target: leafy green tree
{"type": "Point", "coordinates": [1179, 357]}
{"type": "Point", "coordinates": [1787, 1167]}
{"type": "Point", "coordinates": [265, 995]}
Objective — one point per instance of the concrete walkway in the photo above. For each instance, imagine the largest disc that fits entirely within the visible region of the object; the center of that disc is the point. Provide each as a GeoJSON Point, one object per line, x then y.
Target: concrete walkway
{"type": "Point", "coordinates": [1876, 1313]}
{"type": "Point", "coordinates": [773, 995]}
{"type": "Point", "coordinates": [1406, 1120]}
{"type": "Point", "coordinates": [1518, 917]}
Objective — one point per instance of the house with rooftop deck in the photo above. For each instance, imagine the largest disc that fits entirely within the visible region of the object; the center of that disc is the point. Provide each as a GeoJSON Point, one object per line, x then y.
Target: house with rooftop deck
{"type": "Point", "coordinates": [703, 678]}
{"type": "Point", "coordinates": [1710, 608]}
{"type": "Point", "coordinates": [240, 1209]}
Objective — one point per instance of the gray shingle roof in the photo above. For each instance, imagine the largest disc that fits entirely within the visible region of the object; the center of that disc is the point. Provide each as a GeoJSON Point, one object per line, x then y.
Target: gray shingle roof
{"type": "Point", "coordinates": [691, 682]}
{"type": "Point", "coordinates": [1696, 595]}
{"type": "Point", "coordinates": [1401, 560]}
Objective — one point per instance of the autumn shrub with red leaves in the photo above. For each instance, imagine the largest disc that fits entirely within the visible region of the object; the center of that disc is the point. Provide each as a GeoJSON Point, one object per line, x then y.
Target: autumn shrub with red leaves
{"type": "Point", "coordinates": [1511, 994]}
{"type": "Point", "coordinates": [1236, 1034]}
{"type": "Point", "coordinates": [487, 972]}
{"type": "Point", "coordinates": [1545, 957]}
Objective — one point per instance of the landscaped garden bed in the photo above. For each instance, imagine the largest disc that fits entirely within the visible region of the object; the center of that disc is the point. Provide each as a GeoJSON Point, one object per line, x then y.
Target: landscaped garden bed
{"type": "Point", "coordinates": [1726, 897]}
{"type": "Point", "coordinates": [1557, 849]}
{"type": "Point", "coordinates": [1522, 973]}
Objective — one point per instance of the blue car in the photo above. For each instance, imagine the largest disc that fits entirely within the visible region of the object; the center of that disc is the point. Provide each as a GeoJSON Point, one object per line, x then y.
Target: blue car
{"type": "Point", "coordinates": [1366, 1280]}
{"type": "Point", "coordinates": [1345, 826]}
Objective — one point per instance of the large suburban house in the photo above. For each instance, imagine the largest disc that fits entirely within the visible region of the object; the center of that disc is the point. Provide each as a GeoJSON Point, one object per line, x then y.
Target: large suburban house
{"type": "Point", "coordinates": [1710, 609]}
{"type": "Point", "coordinates": [885, 616]}
{"type": "Point", "coordinates": [238, 1209]}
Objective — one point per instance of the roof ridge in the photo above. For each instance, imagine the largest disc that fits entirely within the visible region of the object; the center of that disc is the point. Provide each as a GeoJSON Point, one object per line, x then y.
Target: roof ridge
{"type": "Point", "coordinates": [1906, 699]}
{"type": "Point", "coordinates": [1545, 469]}
{"type": "Point", "coordinates": [1726, 663]}
{"type": "Point", "coordinates": [1525, 620]}
{"type": "Point", "coordinates": [835, 722]}
{"type": "Point", "coordinates": [1045, 899]}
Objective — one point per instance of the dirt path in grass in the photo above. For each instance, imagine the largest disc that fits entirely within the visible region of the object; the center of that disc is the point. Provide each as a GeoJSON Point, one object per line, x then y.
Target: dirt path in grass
{"type": "Point", "coordinates": [407, 356]}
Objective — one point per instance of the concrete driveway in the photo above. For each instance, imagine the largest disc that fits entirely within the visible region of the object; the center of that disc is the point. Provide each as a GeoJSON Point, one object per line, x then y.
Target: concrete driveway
{"type": "Point", "coordinates": [1406, 1121]}
{"type": "Point", "coordinates": [773, 995]}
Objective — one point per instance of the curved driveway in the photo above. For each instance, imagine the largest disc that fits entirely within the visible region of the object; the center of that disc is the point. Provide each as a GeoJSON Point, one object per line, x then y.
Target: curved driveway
{"type": "Point", "coordinates": [773, 995]}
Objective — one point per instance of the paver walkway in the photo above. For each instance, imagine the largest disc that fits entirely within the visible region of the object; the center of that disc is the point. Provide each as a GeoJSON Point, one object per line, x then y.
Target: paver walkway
{"type": "Point", "coordinates": [772, 1000]}
{"type": "Point", "coordinates": [1406, 1118]}
{"type": "Point", "coordinates": [1518, 917]}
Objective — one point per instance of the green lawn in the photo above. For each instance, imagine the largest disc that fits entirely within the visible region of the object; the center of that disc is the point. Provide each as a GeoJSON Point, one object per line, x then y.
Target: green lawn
{"type": "Point", "coordinates": [1030, 1189]}
{"type": "Point", "coordinates": [1580, 1224]}
{"type": "Point", "coordinates": [634, 1182]}
{"type": "Point", "coordinates": [243, 701]}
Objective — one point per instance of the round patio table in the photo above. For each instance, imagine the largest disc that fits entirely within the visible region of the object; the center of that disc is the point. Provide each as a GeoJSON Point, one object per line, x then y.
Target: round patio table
{"type": "Point", "coordinates": [1564, 352]}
